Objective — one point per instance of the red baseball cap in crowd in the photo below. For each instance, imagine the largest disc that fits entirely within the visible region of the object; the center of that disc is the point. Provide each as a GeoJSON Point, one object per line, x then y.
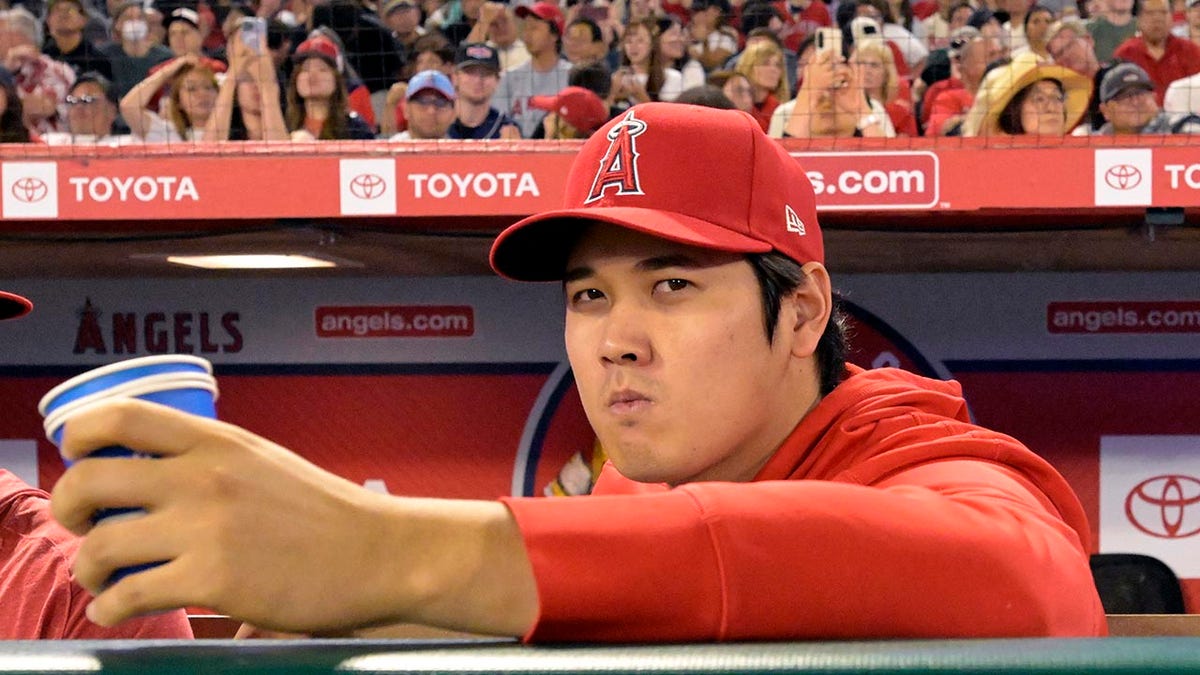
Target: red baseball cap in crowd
{"type": "Point", "coordinates": [12, 306]}
{"type": "Point", "coordinates": [322, 47]}
{"type": "Point", "coordinates": [546, 11]}
{"type": "Point", "coordinates": [700, 176]}
{"type": "Point", "coordinates": [580, 107]}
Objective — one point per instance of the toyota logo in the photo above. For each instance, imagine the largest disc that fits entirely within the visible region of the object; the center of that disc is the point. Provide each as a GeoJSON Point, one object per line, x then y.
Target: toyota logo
{"type": "Point", "coordinates": [30, 190]}
{"type": "Point", "coordinates": [1123, 177]}
{"type": "Point", "coordinates": [367, 186]}
{"type": "Point", "coordinates": [1165, 506]}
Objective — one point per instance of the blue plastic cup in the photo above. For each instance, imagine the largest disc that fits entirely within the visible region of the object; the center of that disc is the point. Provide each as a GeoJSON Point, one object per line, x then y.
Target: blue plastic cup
{"type": "Point", "coordinates": [179, 381]}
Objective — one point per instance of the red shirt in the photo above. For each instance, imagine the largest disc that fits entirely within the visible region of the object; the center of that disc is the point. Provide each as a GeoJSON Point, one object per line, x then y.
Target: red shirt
{"type": "Point", "coordinates": [800, 23]}
{"type": "Point", "coordinates": [762, 111]}
{"type": "Point", "coordinates": [1181, 58]}
{"type": "Point", "coordinates": [40, 598]}
{"type": "Point", "coordinates": [885, 514]}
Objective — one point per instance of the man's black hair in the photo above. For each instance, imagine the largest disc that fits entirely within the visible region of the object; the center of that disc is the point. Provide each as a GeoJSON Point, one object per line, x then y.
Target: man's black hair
{"type": "Point", "coordinates": [593, 27]}
{"type": "Point", "coordinates": [593, 76]}
{"type": "Point", "coordinates": [779, 275]}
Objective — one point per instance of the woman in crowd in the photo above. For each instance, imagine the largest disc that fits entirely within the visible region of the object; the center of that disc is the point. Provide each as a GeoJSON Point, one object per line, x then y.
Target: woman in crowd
{"type": "Point", "coordinates": [642, 76]}
{"type": "Point", "coordinates": [12, 116]}
{"type": "Point", "coordinates": [193, 94]}
{"type": "Point", "coordinates": [762, 64]}
{"type": "Point", "coordinates": [247, 107]}
{"type": "Point", "coordinates": [830, 103]}
{"type": "Point", "coordinates": [317, 103]}
{"type": "Point", "coordinates": [1037, 31]}
{"type": "Point", "coordinates": [882, 86]}
{"type": "Point", "coordinates": [1028, 97]}
{"type": "Point", "coordinates": [673, 52]}
{"type": "Point", "coordinates": [736, 88]}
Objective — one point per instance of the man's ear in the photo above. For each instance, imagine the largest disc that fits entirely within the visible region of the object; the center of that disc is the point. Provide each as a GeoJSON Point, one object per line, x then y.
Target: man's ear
{"type": "Point", "coordinates": [812, 305]}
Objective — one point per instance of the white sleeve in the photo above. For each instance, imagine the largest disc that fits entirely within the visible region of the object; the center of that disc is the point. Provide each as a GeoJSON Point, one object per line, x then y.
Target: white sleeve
{"type": "Point", "coordinates": [1183, 96]}
{"type": "Point", "coordinates": [672, 85]}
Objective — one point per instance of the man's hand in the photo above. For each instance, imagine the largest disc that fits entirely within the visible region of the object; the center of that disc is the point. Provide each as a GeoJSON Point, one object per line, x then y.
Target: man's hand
{"type": "Point", "coordinates": [254, 531]}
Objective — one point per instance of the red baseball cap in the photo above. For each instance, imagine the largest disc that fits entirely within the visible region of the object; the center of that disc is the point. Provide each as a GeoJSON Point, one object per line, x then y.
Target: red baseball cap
{"type": "Point", "coordinates": [580, 107]}
{"type": "Point", "coordinates": [12, 306]}
{"type": "Point", "coordinates": [700, 176]}
{"type": "Point", "coordinates": [546, 11]}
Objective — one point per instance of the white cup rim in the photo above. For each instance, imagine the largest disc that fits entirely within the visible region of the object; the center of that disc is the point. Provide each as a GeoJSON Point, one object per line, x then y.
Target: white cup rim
{"type": "Point", "coordinates": [102, 371]}
{"type": "Point", "coordinates": [145, 385]}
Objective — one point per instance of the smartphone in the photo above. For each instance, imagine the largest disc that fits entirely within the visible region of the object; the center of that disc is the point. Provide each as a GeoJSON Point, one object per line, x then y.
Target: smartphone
{"type": "Point", "coordinates": [829, 39]}
{"type": "Point", "coordinates": [599, 14]}
{"type": "Point", "coordinates": [254, 33]}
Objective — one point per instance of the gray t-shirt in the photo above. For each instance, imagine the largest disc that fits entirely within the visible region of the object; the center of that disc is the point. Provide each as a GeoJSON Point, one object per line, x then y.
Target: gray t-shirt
{"type": "Point", "coordinates": [128, 70]}
{"type": "Point", "coordinates": [1108, 36]}
{"type": "Point", "coordinates": [518, 84]}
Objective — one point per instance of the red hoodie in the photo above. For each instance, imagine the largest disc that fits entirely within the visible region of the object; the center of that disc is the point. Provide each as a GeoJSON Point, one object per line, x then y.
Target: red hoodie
{"type": "Point", "coordinates": [885, 514]}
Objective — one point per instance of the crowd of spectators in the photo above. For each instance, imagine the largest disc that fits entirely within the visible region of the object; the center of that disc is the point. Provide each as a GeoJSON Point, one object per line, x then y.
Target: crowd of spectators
{"type": "Point", "coordinates": [192, 71]}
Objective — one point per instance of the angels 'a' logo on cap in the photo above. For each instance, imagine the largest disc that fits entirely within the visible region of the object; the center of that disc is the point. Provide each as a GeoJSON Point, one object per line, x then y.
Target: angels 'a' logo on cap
{"type": "Point", "coordinates": [618, 168]}
{"type": "Point", "coordinates": [794, 224]}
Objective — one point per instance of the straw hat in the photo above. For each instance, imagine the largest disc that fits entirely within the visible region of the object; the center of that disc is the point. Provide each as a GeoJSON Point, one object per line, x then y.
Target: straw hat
{"type": "Point", "coordinates": [1001, 84]}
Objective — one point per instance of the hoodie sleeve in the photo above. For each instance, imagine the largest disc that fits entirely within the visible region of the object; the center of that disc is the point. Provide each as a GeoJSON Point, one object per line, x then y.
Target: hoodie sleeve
{"type": "Point", "coordinates": [945, 548]}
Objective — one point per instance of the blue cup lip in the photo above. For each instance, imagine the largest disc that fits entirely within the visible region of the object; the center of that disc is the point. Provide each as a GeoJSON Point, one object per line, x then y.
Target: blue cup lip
{"type": "Point", "coordinates": [105, 377]}
{"type": "Point", "coordinates": [146, 386]}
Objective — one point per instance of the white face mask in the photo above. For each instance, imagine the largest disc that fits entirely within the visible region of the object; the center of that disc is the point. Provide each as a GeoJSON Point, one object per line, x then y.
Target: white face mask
{"type": "Point", "coordinates": [135, 30]}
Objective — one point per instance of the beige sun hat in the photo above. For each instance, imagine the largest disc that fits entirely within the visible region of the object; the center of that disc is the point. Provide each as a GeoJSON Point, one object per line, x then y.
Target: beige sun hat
{"type": "Point", "coordinates": [1001, 84]}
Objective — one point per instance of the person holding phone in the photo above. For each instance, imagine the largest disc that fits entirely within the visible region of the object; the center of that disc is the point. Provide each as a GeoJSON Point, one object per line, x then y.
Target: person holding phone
{"type": "Point", "coordinates": [830, 103]}
{"type": "Point", "coordinates": [643, 75]}
{"type": "Point", "coordinates": [247, 107]}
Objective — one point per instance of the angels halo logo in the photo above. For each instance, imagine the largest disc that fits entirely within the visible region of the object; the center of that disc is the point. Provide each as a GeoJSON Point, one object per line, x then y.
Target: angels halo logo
{"type": "Point", "coordinates": [29, 190]}
{"type": "Point", "coordinates": [367, 186]}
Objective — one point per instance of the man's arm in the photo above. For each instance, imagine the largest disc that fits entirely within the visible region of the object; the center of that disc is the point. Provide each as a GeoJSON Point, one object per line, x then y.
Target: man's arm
{"type": "Point", "coordinates": [254, 531]}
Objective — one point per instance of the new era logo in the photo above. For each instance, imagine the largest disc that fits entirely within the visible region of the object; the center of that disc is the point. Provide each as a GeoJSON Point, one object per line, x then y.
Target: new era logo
{"type": "Point", "coordinates": [794, 224]}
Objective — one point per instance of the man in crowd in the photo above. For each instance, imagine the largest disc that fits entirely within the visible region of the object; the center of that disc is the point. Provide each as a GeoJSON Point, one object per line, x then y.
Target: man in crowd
{"type": "Point", "coordinates": [1070, 45]}
{"type": "Point", "coordinates": [1163, 56]}
{"type": "Point", "coordinates": [403, 17]}
{"type": "Point", "coordinates": [1127, 102]}
{"type": "Point", "coordinates": [66, 20]}
{"type": "Point", "coordinates": [1112, 26]}
{"type": "Point", "coordinates": [41, 599]}
{"type": "Point", "coordinates": [811, 499]}
{"type": "Point", "coordinates": [545, 74]}
{"type": "Point", "coordinates": [428, 107]}
{"type": "Point", "coordinates": [498, 29]}
{"type": "Point", "coordinates": [42, 82]}
{"type": "Point", "coordinates": [91, 114]}
{"type": "Point", "coordinates": [583, 42]}
{"type": "Point", "coordinates": [133, 50]}
{"type": "Point", "coordinates": [476, 75]}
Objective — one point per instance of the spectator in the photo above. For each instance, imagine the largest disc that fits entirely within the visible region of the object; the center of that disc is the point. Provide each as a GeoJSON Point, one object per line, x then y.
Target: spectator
{"type": "Point", "coordinates": [133, 52]}
{"type": "Point", "coordinates": [1070, 44]}
{"type": "Point", "coordinates": [428, 107]}
{"type": "Point", "coordinates": [708, 96]}
{"type": "Point", "coordinates": [573, 113]}
{"type": "Point", "coordinates": [1037, 27]}
{"type": "Point", "coordinates": [673, 53]}
{"type": "Point", "coordinates": [829, 104]}
{"type": "Point", "coordinates": [1027, 97]}
{"type": "Point", "coordinates": [368, 48]}
{"type": "Point", "coordinates": [1165, 57]}
{"type": "Point", "coordinates": [476, 75]}
{"type": "Point", "coordinates": [881, 85]}
{"type": "Point", "coordinates": [430, 52]}
{"type": "Point", "coordinates": [737, 88]}
{"type": "Point", "coordinates": [791, 60]}
{"type": "Point", "coordinates": [42, 83]}
{"type": "Point", "coordinates": [403, 17]}
{"type": "Point", "coordinates": [948, 101]}
{"type": "Point", "coordinates": [876, 12]}
{"type": "Point", "coordinates": [1127, 101]}
{"type": "Point", "coordinates": [593, 77]}
{"type": "Point", "coordinates": [12, 116]}
{"type": "Point", "coordinates": [247, 107]}
{"type": "Point", "coordinates": [762, 64]}
{"type": "Point", "coordinates": [1183, 95]}
{"type": "Point", "coordinates": [66, 20]}
{"type": "Point", "coordinates": [318, 106]}
{"type": "Point", "coordinates": [460, 17]}
{"type": "Point", "coordinates": [712, 41]}
{"type": "Point", "coordinates": [1112, 27]}
{"type": "Point", "coordinates": [193, 93]}
{"type": "Point", "coordinates": [326, 40]}
{"type": "Point", "coordinates": [1189, 28]}
{"type": "Point", "coordinates": [544, 75]}
{"type": "Point", "coordinates": [802, 18]}
{"type": "Point", "coordinates": [91, 114]}
{"type": "Point", "coordinates": [937, 25]}
{"type": "Point", "coordinates": [497, 28]}
{"type": "Point", "coordinates": [642, 76]}
{"type": "Point", "coordinates": [1017, 11]}
{"type": "Point", "coordinates": [911, 47]}
{"type": "Point", "coordinates": [186, 36]}
{"type": "Point", "coordinates": [583, 42]}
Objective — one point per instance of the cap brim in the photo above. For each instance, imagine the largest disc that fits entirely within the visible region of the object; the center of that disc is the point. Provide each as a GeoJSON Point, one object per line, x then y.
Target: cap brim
{"type": "Point", "coordinates": [536, 248]}
{"type": "Point", "coordinates": [12, 306]}
{"type": "Point", "coordinates": [546, 103]}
